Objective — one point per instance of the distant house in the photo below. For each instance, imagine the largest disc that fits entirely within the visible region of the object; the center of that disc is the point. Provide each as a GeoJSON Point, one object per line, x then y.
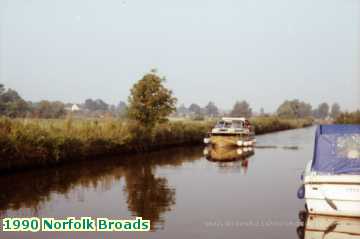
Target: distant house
{"type": "Point", "coordinates": [75, 108]}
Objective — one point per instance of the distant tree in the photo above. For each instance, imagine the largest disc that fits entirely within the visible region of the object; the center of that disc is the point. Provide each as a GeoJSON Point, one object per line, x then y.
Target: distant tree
{"type": "Point", "coordinates": [195, 109]}
{"type": "Point", "coordinates": [262, 111]}
{"type": "Point", "coordinates": [182, 111]}
{"type": "Point", "coordinates": [96, 105]}
{"type": "Point", "coordinates": [241, 109]}
{"type": "Point", "coordinates": [46, 109]}
{"type": "Point", "coordinates": [10, 96]}
{"type": "Point", "coordinates": [101, 105]}
{"type": "Point", "coordinates": [90, 105]}
{"type": "Point", "coordinates": [2, 89]}
{"type": "Point", "coordinates": [335, 110]}
{"type": "Point", "coordinates": [18, 108]}
{"type": "Point", "coordinates": [11, 103]}
{"type": "Point", "coordinates": [323, 110]}
{"type": "Point", "coordinates": [211, 110]}
{"type": "Point", "coordinates": [122, 109]}
{"type": "Point", "coordinates": [150, 102]}
{"type": "Point", "coordinates": [294, 109]}
{"type": "Point", "coordinates": [2, 104]}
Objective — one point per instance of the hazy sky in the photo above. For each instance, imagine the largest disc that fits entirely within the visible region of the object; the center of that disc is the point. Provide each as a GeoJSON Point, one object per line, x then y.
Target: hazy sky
{"type": "Point", "coordinates": [225, 50]}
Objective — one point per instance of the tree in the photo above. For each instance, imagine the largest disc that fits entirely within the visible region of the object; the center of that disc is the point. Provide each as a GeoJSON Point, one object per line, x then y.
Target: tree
{"type": "Point", "coordinates": [122, 109]}
{"type": "Point", "coordinates": [150, 102]}
{"type": "Point", "coordinates": [2, 104]}
{"type": "Point", "coordinates": [195, 109]}
{"type": "Point", "coordinates": [335, 110]}
{"type": "Point", "coordinates": [11, 103]}
{"type": "Point", "coordinates": [241, 109]}
{"type": "Point", "coordinates": [96, 105]}
{"type": "Point", "coordinates": [2, 89]}
{"type": "Point", "coordinates": [294, 109]}
{"type": "Point", "coordinates": [182, 111]}
{"type": "Point", "coordinates": [47, 109]}
{"type": "Point", "coordinates": [323, 110]}
{"type": "Point", "coordinates": [211, 110]}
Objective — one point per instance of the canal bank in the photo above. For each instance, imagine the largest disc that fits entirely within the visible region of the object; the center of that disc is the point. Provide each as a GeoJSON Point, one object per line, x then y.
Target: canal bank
{"type": "Point", "coordinates": [27, 143]}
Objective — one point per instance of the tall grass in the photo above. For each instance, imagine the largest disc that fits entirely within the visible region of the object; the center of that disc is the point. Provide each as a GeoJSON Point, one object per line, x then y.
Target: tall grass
{"type": "Point", "coordinates": [271, 124]}
{"type": "Point", "coordinates": [25, 142]}
{"type": "Point", "coordinates": [349, 118]}
{"type": "Point", "coordinates": [33, 142]}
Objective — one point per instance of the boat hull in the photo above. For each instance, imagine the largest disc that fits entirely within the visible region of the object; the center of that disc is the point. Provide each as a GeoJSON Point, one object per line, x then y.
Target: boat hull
{"type": "Point", "coordinates": [337, 199]}
{"type": "Point", "coordinates": [223, 154]}
{"type": "Point", "coordinates": [319, 227]}
{"type": "Point", "coordinates": [232, 141]}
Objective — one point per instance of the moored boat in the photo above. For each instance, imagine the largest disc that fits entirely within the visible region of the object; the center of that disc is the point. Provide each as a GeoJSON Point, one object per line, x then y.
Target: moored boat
{"type": "Point", "coordinates": [331, 181]}
{"type": "Point", "coordinates": [230, 131]}
{"type": "Point", "coordinates": [323, 226]}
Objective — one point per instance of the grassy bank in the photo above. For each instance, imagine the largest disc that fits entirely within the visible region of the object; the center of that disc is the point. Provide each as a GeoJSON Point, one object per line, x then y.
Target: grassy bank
{"type": "Point", "coordinates": [265, 125]}
{"type": "Point", "coordinates": [32, 142]}
{"type": "Point", "coordinates": [348, 118]}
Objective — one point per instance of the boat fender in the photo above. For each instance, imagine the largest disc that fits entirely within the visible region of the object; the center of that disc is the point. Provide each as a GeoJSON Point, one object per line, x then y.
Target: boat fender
{"type": "Point", "coordinates": [301, 192]}
{"type": "Point", "coordinates": [207, 140]}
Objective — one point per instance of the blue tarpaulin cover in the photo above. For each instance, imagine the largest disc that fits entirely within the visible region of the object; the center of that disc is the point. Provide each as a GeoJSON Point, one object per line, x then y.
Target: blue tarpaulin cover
{"type": "Point", "coordinates": [337, 149]}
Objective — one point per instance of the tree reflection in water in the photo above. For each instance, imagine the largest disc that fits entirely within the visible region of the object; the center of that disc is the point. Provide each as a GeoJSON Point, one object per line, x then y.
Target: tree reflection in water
{"type": "Point", "coordinates": [148, 196]}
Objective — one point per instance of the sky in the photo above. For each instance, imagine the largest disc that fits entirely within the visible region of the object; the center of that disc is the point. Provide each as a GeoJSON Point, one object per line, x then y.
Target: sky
{"type": "Point", "coordinates": [222, 51]}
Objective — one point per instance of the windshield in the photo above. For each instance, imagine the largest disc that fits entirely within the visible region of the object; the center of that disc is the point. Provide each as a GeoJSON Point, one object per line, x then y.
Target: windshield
{"type": "Point", "coordinates": [223, 124]}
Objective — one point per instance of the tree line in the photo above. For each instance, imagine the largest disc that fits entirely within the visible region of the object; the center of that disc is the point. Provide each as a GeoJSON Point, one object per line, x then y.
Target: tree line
{"type": "Point", "coordinates": [13, 105]}
{"type": "Point", "coordinates": [288, 109]}
{"type": "Point", "coordinates": [142, 96]}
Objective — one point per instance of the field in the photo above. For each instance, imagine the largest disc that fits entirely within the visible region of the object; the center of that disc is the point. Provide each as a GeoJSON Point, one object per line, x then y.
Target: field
{"type": "Point", "coordinates": [37, 142]}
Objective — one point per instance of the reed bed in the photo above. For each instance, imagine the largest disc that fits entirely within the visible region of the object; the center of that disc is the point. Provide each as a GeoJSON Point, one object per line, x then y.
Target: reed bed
{"type": "Point", "coordinates": [348, 118]}
{"type": "Point", "coordinates": [270, 124]}
{"type": "Point", "coordinates": [36, 142]}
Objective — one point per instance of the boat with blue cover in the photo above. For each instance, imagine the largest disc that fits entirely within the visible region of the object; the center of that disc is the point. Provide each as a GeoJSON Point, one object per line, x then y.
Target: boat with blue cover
{"type": "Point", "coordinates": [331, 180]}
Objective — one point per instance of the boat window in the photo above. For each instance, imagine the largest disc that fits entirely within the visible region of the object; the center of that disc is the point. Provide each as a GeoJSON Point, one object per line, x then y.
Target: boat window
{"type": "Point", "coordinates": [237, 124]}
{"type": "Point", "coordinates": [227, 124]}
{"type": "Point", "coordinates": [348, 146]}
{"type": "Point", "coordinates": [220, 124]}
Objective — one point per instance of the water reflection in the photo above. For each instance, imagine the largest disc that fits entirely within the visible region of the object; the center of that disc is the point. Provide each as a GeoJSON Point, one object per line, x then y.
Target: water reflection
{"type": "Point", "coordinates": [322, 226]}
{"type": "Point", "coordinates": [148, 196]}
{"type": "Point", "coordinates": [229, 159]}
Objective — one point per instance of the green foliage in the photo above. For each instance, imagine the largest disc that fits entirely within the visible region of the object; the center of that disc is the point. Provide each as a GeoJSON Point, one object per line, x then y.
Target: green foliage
{"type": "Point", "coordinates": [322, 111]}
{"type": "Point", "coordinates": [150, 102]}
{"type": "Point", "coordinates": [294, 109]}
{"type": "Point", "coordinates": [211, 110]}
{"type": "Point", "coordinates": [241, 109]}
{"type": "Point", "coordinates": [96, 105]}
{"type": "Point", "coordinates": [335, 110]}
{"type": "Point", "coordinates": [348, 118]}
{"type": "Point", "coordinates": [49, 110]}
{"type": "Point", "coordinates": [11, 104]}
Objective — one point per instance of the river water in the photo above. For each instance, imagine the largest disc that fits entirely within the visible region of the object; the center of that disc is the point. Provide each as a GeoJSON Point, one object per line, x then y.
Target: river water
{"type": "Point", "coordinates": [184, 194]}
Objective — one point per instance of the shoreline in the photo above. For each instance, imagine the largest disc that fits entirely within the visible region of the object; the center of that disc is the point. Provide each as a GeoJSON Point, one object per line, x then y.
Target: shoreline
{"type": "Point", "coordinates": [31, 143]}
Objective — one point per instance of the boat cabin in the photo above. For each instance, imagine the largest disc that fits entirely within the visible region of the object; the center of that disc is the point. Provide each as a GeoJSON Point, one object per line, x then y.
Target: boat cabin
{"type": "Point", "coordinates": [234, 123]}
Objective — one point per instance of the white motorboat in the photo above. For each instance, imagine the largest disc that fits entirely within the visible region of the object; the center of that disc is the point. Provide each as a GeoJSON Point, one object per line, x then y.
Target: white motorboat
{"type": "Point", "coordinates": [230, 131]}
{"type": "Point", "coordinates": [331, 181]}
